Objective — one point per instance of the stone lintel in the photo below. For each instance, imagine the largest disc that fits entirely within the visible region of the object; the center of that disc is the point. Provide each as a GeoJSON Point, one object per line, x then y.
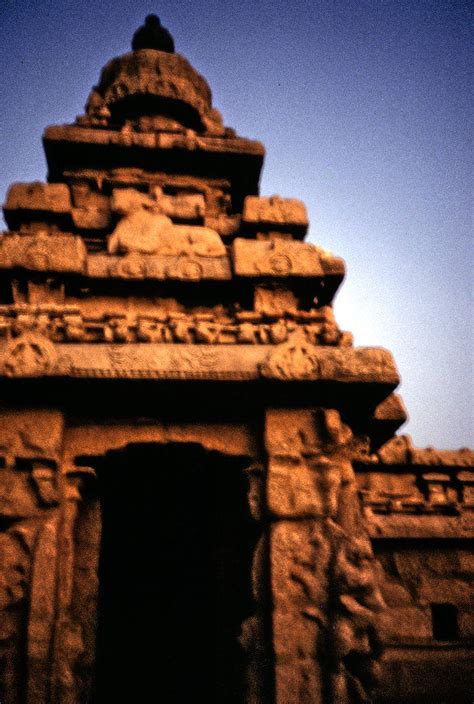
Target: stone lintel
{"type": "Point", "coordinates": [96, 439]}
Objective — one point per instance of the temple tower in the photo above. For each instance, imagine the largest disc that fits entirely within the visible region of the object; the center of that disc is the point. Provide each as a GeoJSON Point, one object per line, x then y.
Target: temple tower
{"type": "Point", "coordinates": [198, 467]}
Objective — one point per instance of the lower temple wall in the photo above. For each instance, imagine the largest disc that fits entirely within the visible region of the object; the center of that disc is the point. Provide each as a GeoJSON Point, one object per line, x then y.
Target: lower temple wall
{"type": "Point", "coordinates": [428, 625]}
{"type": "Point", "coordinates": [326, 604]}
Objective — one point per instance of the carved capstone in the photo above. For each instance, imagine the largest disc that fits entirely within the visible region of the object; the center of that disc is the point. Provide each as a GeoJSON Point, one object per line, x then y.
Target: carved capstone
{"type": "Point", "coordinates": [152, 35]}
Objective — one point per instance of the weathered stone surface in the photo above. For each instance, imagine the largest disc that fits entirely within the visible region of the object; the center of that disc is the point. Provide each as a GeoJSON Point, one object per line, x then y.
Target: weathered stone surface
{"type": "Point", "coordinates": [31, 434]}
{"type": "Point", "coordinates": [185, 267]}
{"type": "Point", "coordinates": [275, 213]}
{"type": "Point", "coordinates": [190, 207]}
{"type": "Point", "coordinates": [324, 578]}
{"type": "Point", "coordinates": [31, 355]}
{"type": "Point", "coordinates": [281, 259]}
{"type": "Point", "coordinates": [43, 252]}
{"type": "Point", "coordinates": [188, 442]}
{"type": "Point", "coordinates": [299, 676]}
{"type": "Point", "coordinates": [37, 196]}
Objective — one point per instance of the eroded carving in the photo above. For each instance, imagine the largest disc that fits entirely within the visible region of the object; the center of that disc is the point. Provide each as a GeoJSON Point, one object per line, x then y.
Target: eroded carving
{"type": "Point", "coordinates": [117, 271]}
{"type": "Point", "coordinates": [146, 230]}
{"type": "Point", "coordinates": [28, 355]}
{"type": "Point", "coordinates": [295, 359]}
{"type": "Point", "coordinates": [311, 488]}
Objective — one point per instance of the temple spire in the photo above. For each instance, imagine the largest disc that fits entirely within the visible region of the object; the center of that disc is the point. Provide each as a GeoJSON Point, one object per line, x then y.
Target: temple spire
{"type": "Point", "coordinates": [152, 35]}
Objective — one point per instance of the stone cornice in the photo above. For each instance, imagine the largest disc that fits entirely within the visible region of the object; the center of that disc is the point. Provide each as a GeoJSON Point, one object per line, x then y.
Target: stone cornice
{"type": "Point", "coordinates": [33, 355]}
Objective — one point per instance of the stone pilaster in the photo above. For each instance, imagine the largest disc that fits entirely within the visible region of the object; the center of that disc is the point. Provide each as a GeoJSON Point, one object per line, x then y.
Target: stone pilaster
{"type": "Point", "coordinates": [323, 577]}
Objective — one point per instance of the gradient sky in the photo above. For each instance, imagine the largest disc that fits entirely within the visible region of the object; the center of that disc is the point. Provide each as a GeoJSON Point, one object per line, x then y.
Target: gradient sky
{"type": "Point", "coordinates": [363, 106]}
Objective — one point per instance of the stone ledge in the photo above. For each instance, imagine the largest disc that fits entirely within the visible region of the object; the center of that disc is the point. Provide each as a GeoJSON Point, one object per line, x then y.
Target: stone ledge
{"type": "Point", "coordinates": [33, 355]}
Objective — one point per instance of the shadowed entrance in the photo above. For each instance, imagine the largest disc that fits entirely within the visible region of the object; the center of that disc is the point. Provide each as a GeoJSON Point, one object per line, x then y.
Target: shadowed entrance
{"type": "Point", "coordinates": [175, 583]}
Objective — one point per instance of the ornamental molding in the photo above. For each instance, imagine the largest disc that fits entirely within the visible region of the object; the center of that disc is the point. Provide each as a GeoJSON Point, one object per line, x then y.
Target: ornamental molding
{"type": "Point", "coordinates": [33, 355]}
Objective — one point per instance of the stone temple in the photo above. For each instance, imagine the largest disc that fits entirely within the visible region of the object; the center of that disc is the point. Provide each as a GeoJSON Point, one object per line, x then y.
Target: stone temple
{"type": "Point", "coordinates": [202, 496]}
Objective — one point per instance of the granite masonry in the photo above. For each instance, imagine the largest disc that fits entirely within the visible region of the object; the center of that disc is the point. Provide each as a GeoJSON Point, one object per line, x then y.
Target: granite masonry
{"type": "Point", "coordinates": [202, 496]}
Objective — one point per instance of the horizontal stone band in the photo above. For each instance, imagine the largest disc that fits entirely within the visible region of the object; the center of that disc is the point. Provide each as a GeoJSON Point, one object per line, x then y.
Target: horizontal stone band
{"type": "Point", "coordinates": [32, 355]}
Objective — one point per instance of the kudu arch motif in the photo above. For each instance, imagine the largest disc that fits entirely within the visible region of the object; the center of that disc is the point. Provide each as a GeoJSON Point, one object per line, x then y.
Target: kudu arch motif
{"type": "Point", "coordinates": [152, 299]}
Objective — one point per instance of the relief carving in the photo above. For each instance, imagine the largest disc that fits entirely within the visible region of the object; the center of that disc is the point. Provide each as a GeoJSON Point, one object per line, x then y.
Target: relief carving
{"type": "Point", "coordinates": [325, 575]}
{"type": "Point", "coordinates": [293, 360]}
{"type": "Point", "coordinates": [356, 645]}
{"type": "Point", "coordinates": [68, 324]}
{"type": "Point", "coordinates": [28, 355]}
{"type": "Point", "coordinates": [16, 548]}
{"type": "Point", "coordinates": [144, 229]}
{"type": "Point", "coordinates": [43, 252]}
{"type": "Point", "coordinates": [277, 258]}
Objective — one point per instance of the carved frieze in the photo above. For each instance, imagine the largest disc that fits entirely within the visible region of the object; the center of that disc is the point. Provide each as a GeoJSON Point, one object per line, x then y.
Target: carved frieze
{"type": "Point", "coordinates": [35, 355]}
{"type": "Point", "coordinates": [184, 267]}
{"type": "Point", "coordinates": [280, 258]}
{"type": "Point", "coordinates": [410, 492]}
{"type": "Point", "coordinates": [145, 228]}
{"type": "Point", "coordinates": [295, 359]}
{"type": "Point", "coordinates": [68, 324]}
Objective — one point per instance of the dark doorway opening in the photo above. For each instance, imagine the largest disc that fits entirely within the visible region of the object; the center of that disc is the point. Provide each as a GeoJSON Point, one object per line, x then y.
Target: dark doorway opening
{"type": "Point", "coordinates": [174, 576]}
{"type": "Point", "coordinates": [444, 618]}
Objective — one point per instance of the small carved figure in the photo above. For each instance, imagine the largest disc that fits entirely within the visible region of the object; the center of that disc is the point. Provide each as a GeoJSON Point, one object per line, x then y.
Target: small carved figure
{"type": "Point", "coordinates": [207, 332]}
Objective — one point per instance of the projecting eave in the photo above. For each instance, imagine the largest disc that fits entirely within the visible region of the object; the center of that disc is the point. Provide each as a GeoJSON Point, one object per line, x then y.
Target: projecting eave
{"type": "Point", "coordinates": [71, 148]}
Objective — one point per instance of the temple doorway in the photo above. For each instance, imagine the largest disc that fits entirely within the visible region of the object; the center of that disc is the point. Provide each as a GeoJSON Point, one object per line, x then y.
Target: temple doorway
{"type": "Point", "coordinates": [174, 576]}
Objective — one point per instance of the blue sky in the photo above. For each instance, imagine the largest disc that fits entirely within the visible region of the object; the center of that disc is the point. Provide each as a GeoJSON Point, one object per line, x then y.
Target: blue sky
{"type": "Point", "coordinates": [363, 106]}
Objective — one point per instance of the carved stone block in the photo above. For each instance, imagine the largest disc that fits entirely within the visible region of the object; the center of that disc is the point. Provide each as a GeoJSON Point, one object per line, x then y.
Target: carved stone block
{"type": "Point", "coordinates": [136, 265]}
{"type": "Point", "coordinates": [296, 593]}
{"type": "Point", "coordinates": [31, 434]}
{"type": "Point", "coordinates": [55, 253]}
{"type": "Point", "coordinates": [189, 207]}
{"type": "Point", "coordinates": [302, 489]}
{"type": "Point", "coordinates": [38, 196]}
{"type": "Point", "coordinates": [279, 258]}
{"type": "Point", "coordinates": [275, 213]}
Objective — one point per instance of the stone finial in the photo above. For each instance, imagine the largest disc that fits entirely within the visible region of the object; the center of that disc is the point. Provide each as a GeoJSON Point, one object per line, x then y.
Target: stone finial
{"type": "Point", "coordinates": [152, 35]}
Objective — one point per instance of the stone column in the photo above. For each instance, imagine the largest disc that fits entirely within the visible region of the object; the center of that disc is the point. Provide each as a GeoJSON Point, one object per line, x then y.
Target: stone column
{"type": "Point", "coordinates": [77, 586]}
{"type": "Point", "coordinates": [323, 576]}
